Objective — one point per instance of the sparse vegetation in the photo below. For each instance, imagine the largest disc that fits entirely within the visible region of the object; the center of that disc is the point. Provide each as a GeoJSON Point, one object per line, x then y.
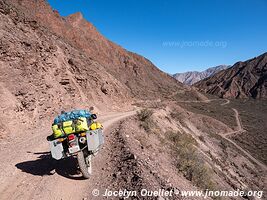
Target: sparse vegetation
{"type": "Point", "coordinates": [253, 114]}
{"type": "Point", "coordinates": [213, 109]}
{"type": "Point", "coordinates": [223, 145]}
{"type": "Point", "coordinates": [146, 121]}
{"type": "Point", "coordinates": [187, 161]}
{"type": "Point", "coordinates": [186, 95]}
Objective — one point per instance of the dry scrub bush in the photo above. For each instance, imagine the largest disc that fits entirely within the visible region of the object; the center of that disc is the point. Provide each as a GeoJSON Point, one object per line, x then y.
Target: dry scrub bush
{"type": "Point", "coordinates": [187, 161]}
{"type": "Point", "coordinates": [146, 121]}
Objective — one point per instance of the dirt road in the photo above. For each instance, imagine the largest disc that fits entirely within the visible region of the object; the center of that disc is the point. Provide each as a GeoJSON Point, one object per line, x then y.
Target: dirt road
{"type": "Point", "coordinates": [239, 130]}
{"type": "Point", "coordinates": [28, 172]}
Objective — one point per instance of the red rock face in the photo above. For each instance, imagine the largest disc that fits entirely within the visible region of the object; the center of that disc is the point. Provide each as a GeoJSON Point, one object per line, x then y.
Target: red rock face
{"type": "Point", "coordinates": [49, 63]}
{"type": "Point", "coordinates": [244, 79]}
{"type": "Point", "coordinates": [138, 74]}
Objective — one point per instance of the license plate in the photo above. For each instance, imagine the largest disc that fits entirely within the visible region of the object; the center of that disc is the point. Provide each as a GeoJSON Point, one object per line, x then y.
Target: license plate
{"type": "Point", "coordinates": [74, 149]}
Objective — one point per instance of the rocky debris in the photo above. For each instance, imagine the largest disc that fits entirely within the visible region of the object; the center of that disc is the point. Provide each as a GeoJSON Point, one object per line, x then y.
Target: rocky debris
{"type": "Point", "coordinates": [130, 172]}
{"type": "Point", "coordinates": [107, 88]}
{"type": "Point", "coordinates": [65, 81]}
{"type": "Point", "coordinates": [104, 88]}
{"type": "Point", "coordinates": [242, 80]}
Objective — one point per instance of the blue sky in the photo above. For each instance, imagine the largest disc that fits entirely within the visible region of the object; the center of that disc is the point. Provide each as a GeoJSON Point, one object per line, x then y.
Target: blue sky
{"type": "Point", "coordinates": [179, 36]}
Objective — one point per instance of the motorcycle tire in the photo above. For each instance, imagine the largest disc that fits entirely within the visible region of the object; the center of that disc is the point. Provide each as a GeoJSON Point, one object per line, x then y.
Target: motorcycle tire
{"type": "Point", "coordinates": [84, 161]}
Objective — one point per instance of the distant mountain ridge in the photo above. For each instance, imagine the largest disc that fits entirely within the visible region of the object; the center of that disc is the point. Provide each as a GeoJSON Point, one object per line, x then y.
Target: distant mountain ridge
{"type": "Point", "coordinates": [242, 80]}
{"type": "Point", "coordinates": [191, 77]}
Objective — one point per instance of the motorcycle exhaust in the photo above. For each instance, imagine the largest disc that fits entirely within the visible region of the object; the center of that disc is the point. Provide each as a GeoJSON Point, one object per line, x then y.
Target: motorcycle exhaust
{"type": "Point", "coordinates": [82, 140]}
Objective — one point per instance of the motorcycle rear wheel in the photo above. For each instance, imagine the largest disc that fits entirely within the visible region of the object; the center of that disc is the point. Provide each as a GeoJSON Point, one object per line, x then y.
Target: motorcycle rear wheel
{"type": "Point", "coordinates": [85, 164]}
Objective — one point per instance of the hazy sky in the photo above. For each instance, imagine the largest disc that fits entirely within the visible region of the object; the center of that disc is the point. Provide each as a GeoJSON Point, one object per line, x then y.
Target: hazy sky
{"type": "Point", "coordinates": [179, 36]}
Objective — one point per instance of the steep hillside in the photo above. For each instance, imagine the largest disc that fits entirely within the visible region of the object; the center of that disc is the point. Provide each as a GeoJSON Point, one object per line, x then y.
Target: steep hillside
{"type": "Point", "coordinates": [134, 71]}
{"type": "Point", "coordinates": [49, 63]}
{"type": "Point", "coordinates": [192, 77]}
{"type": "Point", "coordinates": [41, 74]}
{"type": "Point", "coordinates": [242, 80]}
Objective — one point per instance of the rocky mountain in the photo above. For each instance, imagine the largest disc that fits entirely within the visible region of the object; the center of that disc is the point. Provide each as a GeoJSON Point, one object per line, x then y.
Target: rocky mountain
{"type": "Point", "coordinates": [242, 80]}
{"type": "Point", "coordinates": [191, 77]}
{"type": "Point", "coordinates": [49, 63]}
{"type": "Point", "coordinates": [132, 71]}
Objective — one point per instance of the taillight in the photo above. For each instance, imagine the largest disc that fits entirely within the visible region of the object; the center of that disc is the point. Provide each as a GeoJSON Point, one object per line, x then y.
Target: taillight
{"type": "Point", "coordinates": [71, 137]}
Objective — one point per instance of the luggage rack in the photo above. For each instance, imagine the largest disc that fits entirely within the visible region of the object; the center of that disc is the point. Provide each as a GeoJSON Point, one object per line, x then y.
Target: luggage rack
{"type": "Point", "coordinates": [94, 142]}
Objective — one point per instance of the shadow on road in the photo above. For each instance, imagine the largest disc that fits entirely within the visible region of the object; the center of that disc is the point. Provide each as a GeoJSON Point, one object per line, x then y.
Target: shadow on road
{"type": "Point", "coordinates": [45, 165]}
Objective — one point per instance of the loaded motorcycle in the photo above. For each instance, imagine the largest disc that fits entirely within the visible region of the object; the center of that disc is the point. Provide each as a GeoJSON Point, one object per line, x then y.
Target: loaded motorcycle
{"type": "Point", "coordinates": [82, 145]}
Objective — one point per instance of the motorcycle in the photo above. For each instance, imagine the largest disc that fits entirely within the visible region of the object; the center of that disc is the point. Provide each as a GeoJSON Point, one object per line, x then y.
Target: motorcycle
{"type": "Point", "coordinates": [83, 146]}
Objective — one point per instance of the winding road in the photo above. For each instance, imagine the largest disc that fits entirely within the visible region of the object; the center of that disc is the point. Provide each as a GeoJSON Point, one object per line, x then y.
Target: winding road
{"type": "Point", "coordinates": [28, 172]}
{"type": "Point", "coordinates": [239, 130]}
